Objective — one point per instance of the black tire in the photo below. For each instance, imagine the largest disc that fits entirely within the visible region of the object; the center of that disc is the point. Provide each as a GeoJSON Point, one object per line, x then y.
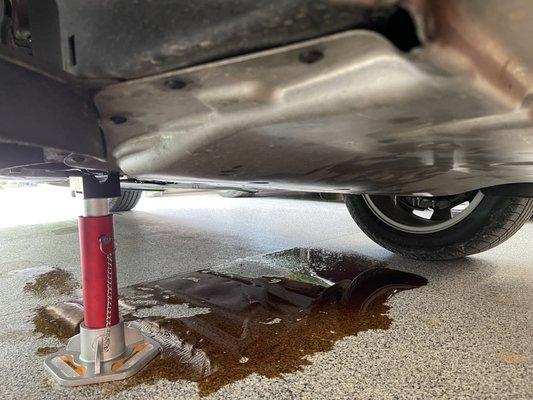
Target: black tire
{"type": "Point", "coordinates": [492, 222]}
{"type": "Point", "coordinates": [235, 193]}
{"type": "Point", "coordinates": [126, 201]}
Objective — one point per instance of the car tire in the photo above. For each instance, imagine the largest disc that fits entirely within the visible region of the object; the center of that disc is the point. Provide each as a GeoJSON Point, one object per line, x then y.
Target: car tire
{"type": "Point", "coordinates": [128, 199]}
{"type": "Point", "coordinates": [493, 220]}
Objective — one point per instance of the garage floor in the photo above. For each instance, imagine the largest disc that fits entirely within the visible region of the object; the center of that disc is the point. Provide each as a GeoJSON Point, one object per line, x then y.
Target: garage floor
{"type": "Point", "coordinates": [468, 333]}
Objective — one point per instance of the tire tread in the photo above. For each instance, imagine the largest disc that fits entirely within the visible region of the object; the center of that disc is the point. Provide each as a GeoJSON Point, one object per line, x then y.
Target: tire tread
{"type": "Point", "coordinates": [512, 215]}
{"type": "Point", "coordinates": [126, 201]}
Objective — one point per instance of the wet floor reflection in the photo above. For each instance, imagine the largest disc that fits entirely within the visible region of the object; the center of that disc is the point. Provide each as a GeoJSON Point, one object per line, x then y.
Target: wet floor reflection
{"type": "Point", "coordinates": [267, 325]}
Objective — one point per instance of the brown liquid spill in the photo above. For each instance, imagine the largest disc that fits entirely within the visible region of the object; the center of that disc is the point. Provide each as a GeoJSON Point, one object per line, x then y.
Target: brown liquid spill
{"type": "Point", "coordinates": [46, 350]}
{"type": "Point", "coordinates": [266, 325]}
{"type": "Point", "coordinates": [60, 321]}
{"type": "Point", "coordinates": [56, 281]}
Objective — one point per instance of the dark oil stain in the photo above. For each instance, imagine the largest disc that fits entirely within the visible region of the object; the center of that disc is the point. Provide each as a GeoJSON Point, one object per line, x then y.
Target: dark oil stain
{"type": "Point", "coordinates": [61, 320]}
{"type": "Point", "coordinates": [56, 281]}
{"type": "Point", "coordinates": [46, 350]}
{"type": "Point", "coordinates": [265, 325]}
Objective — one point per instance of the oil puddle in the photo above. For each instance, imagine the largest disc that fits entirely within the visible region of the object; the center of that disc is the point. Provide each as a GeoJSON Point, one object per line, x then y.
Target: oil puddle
{"type": "Point", "coordinates": [217, 327]}
{"type": "Point", "coordinates": [48, 282]}
{"type": "Point", "coordinates": [46, 350]}
{"type": "Point", "coordinates": [61, 320]}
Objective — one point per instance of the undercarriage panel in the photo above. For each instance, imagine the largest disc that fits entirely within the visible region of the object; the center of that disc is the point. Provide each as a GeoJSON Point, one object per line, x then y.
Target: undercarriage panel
{"type": "Point", "coordinates": [124, 39]}
{"type": "Point", "coordinates": [344, 113]}
{"type": "Point", "coordinates": [435, 98]}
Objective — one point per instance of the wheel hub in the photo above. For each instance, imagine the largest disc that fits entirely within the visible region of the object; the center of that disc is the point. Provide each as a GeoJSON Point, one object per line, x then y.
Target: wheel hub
{"type": "Point", "coordinates": [422, 215]}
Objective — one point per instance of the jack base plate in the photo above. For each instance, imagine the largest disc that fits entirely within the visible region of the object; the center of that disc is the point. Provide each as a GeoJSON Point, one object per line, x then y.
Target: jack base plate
{"type": "Point", "coordinates": [70, 370]}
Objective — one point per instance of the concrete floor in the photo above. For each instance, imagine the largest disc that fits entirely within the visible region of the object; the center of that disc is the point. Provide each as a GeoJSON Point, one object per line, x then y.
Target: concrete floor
{"type": "Point", "coordinates": [467, 334]}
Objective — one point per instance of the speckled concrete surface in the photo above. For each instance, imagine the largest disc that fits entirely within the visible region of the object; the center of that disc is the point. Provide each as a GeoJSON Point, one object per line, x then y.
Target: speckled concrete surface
{"type": "Point", "coordinates": [467, 334]}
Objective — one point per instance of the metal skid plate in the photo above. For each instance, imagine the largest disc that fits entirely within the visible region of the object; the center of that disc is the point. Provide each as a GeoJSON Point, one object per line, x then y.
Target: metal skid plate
{"type": "Point", "coordinates": [69, 367]}
{"type": "Point", "coordinates": [346, 113]}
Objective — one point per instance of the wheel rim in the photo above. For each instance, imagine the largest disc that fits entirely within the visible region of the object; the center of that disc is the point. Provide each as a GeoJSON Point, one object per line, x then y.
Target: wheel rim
{"type": "Point", "coordinates": [410, 214]}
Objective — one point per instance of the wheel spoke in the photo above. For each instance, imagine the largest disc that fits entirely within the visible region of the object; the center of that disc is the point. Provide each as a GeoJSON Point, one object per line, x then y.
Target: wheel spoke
{"type": "Point", "coordinates": [441, 214]}
{"type": "Point", "coordinates": [423, 216]}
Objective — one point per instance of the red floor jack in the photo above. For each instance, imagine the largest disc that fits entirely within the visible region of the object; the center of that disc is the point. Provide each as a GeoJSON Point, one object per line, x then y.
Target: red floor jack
{"type": "Point", "coordinates": [105, 349]}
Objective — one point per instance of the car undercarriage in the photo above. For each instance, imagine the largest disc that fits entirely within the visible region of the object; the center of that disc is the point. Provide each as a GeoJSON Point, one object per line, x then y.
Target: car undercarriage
{"type": "Point", "coordinates": [373, 96]}
{"type": "Point", "coordinates": [406, 106]}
